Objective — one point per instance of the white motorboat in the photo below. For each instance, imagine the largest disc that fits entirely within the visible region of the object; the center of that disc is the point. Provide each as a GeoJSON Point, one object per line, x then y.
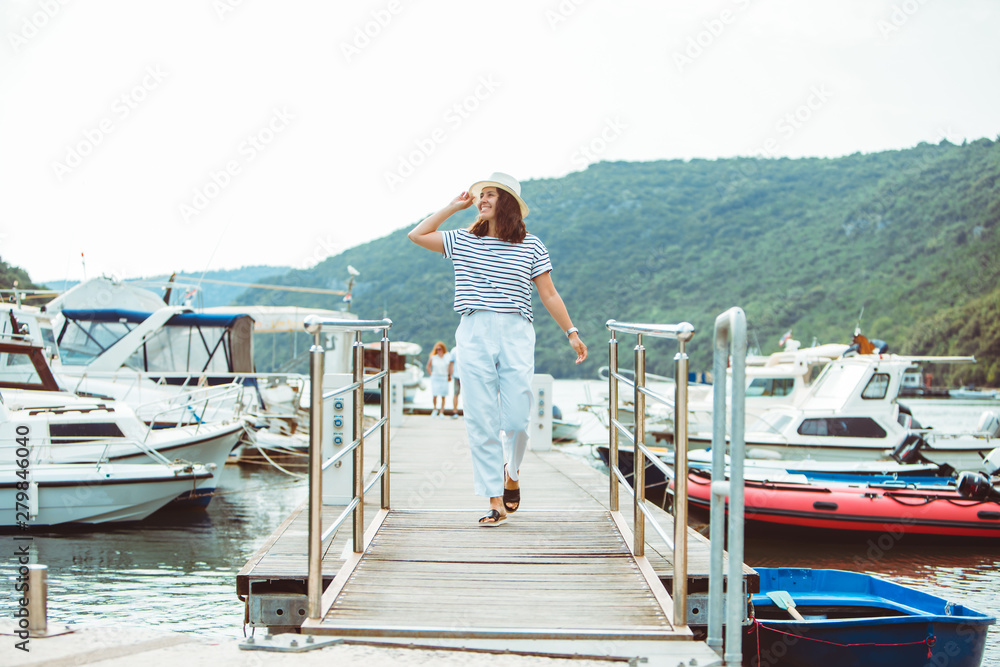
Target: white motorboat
{"type": "Point", "coordinates": [776, 380]}
{"type": "Point", "coordinates": [50, 494]}
{"type": "Point", "coordinates": [850, 413]}
{"type": "Point", "coordinates": [116, 340]}
{"type": "Point", "coordinates": [63, 427]}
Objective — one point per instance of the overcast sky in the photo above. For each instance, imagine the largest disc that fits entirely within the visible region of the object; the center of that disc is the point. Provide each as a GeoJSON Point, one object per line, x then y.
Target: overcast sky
{"type": "Point", "coordinates": [196, 135]}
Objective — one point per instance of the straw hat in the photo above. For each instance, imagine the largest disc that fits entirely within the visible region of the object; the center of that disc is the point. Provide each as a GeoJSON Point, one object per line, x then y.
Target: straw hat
{"type": "Point", "coordinates": [504, 182]}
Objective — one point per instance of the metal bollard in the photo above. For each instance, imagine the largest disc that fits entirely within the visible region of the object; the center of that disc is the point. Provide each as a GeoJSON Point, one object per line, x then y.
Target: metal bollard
{"type": "Point", "coordinates": [38, 593]}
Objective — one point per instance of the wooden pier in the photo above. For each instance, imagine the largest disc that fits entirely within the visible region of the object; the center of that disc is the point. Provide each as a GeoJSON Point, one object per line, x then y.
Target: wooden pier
{"type": "Point", "coordinates": [557, 577]}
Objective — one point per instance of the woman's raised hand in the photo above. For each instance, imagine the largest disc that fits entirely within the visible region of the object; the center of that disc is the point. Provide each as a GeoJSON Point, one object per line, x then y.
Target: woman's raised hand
{"type": "Point", "coordinates": [463, 201]}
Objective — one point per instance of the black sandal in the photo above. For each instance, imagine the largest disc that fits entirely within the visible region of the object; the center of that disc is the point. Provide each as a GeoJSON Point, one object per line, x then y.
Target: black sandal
{"type": "Point", "coordinates": [494, 515]}
{"type": "Point", "coordinates": [511, 496]}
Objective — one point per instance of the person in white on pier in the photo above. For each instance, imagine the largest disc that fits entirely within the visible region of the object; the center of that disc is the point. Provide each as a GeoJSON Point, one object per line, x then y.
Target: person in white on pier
{"type": "Point", "coordinates": [439, 368]}
{"type": "Point", "coordinates": [496, 263]}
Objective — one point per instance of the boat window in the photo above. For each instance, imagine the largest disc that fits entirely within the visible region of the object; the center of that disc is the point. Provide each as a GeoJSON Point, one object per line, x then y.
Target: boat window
{"type": "Point", "coordinates": [84, 431]}
{"type": "Point", "coordinates": [770, 387]}
{"type": "Point", "coordinates": [842, 427]}
{"type": "Point", "coordinates": [771, 423]}
{"type": "Point", "coordinates": [877, 387]}
{"type": "Point", "coordinates": [17, 369]}
{"type": "Point", "coordinates": [82, 341]}
{"type": "Point", "coordinates": [839, 380]}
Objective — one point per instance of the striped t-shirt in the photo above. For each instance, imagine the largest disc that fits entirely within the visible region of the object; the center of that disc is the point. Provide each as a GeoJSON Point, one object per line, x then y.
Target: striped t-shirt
{"type": "Point", "coordinates": [491, 274]}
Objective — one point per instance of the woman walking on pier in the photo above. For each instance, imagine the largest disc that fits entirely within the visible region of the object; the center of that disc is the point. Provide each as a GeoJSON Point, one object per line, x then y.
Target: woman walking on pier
{"type": "Point", "coordinates": [496, 262]}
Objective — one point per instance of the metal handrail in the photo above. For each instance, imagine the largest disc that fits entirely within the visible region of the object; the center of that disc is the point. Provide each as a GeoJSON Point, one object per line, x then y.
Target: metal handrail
{"type": "Point", "coordinates": [730, 342]}
{"type": "Point", "coordinates": [682, 333]}
{"type": "Point", "coordinates": [316, 325]}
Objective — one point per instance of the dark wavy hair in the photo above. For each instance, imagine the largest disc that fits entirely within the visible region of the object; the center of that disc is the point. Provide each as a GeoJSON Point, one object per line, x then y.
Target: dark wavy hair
{"type": "Point", "coordinates": [510, 224]}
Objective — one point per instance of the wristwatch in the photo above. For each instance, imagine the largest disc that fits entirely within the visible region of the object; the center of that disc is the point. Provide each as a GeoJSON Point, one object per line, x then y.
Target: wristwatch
{"type": "Point", "coordinates": [571, 331]}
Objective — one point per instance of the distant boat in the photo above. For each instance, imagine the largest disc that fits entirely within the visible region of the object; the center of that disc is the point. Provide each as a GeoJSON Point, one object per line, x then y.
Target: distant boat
{"type": "Point", "coordinates": [967, 394]}
{"type": "Point", "coordinates": [805, 618]}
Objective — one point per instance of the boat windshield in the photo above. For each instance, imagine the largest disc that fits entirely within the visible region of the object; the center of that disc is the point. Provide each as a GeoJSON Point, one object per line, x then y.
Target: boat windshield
{"type": "Point", "coordinates": [771, 422]}
{"type": "Point", "coordinates": [839, 380]}
{"type": "Point", "coordinates": [82, 341]}
{"type": "Point", "coordinates": [764, 386]}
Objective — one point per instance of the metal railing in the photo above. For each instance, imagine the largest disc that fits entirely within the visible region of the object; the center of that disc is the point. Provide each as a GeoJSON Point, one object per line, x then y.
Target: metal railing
{"type": "Point", "coordinates": [730, 342]}
{"type": "Point", "coordinates": [355, 508]}
{"type": "Point", "coordinates": [682, 333]}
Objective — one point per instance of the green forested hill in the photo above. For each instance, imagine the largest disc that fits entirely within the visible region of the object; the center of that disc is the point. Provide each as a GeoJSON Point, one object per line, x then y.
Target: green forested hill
{"type": "Point", "coordinates": [910, 236]}
{"type": "Point", "coordinates": [10, 274]}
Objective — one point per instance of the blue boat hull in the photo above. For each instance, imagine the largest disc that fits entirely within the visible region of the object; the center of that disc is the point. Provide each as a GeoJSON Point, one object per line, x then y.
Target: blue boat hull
{"type": "Point", "coordinates": [856, 619]}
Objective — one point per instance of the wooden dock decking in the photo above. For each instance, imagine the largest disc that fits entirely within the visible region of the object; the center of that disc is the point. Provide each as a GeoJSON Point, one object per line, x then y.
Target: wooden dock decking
{"type": "Point", "coordinates": [557, 570]}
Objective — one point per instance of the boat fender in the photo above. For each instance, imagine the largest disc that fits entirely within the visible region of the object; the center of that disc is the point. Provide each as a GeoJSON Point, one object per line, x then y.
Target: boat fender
{"type": "Point", "coordinates": [976, 486]}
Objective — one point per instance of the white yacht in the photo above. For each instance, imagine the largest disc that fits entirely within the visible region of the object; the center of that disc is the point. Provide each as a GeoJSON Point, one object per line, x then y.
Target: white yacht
{"type": "Point", "coordinates": [850, 413]}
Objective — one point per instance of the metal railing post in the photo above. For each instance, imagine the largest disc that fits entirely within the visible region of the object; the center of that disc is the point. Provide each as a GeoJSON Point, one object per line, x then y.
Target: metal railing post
{"type": "Point", "coordinates": [730, 341]}
{"type": "Point", "coordinates": [638, 458]}
{"type": "Point", "coordinates": [385, 384]}
{"type": "Point", "coordinates": [315, 582]}
{"type": "Point", "coordinates": [680, 480]}
{"type": "Point", "coordinates": [612, 418]}
{"type": "Point", "coordinates": [359, 451]}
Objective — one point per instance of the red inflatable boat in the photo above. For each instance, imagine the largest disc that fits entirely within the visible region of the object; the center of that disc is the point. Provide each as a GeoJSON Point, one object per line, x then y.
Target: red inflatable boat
{"type": "Point", "coordinates": [913, 509]}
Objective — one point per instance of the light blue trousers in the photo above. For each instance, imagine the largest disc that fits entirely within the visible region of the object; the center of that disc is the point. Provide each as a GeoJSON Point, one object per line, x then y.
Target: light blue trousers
{"type": "Point", "coordinates": [498, 364]}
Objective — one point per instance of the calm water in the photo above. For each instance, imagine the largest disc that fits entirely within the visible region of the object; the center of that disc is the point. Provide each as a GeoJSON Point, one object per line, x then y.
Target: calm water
{"type": "Point", "coordinates": [177, 571]}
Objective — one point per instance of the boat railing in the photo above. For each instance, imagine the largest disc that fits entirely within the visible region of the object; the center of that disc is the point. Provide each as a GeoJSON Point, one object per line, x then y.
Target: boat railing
{"type": "Point", "coordinates": [90, 451]}
{"type": "Point", "coordinates": [355, 508]}
{"type": "Point", "coordinates": [193, 407]}
{"type": "Point", "coordinates": [682, 333]}
{"type": "Point", "coordinates": [730, 347]}
{"type": "Point", "coordinates": [134, 380]}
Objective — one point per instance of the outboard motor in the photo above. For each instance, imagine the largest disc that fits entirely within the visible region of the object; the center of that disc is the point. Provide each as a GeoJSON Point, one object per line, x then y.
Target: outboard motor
{"type": "Point", "coordinates": [976, 486]}
{"type": "Point", "coordinates": [989, 423]}
{"type": "Point", "coordinates": [908, 451]}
